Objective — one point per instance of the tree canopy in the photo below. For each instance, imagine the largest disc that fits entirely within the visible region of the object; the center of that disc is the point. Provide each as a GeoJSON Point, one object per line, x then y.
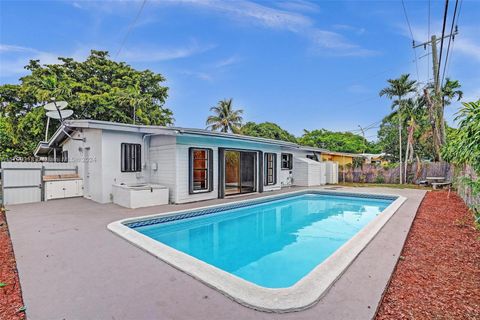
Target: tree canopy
{"type": "Point", "coordinates": [268, 130]}
{"type": "Point", "coordinates": [416, 132]}
{"type": "Point", "coordinates": [463, 146]}
{"type": "Point", "coordinates": [97, 88]}
{"type": "Point", "coordinates": [338, 141]}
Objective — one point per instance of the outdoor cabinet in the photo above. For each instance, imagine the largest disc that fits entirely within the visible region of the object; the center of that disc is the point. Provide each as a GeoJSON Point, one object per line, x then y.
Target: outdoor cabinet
{"type": "Point", "coordinates": [58, 189]}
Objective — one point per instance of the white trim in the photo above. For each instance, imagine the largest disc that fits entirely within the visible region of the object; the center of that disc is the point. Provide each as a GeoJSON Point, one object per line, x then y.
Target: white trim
{"type": "Point", "coordinates": [303, 294]}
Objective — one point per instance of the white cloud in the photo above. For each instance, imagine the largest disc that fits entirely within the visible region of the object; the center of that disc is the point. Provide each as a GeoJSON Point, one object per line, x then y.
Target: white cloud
{"type": "Point", "coordinates": [5, 48]}
{"type": "Point", "coordinates": [298, 5]}
{"type": "Point", "coordinates": [261, 14]}
{"type": "Point", "coordinates": [288, 15]}
{"type": "Point", "coordinates": [331, 43]}
{"type": "Point", "coordinates": [14, 58]}
{"type": "Point", "coordinates": [250, 12]}
{"type": "Point", "coordinates": [467, 47]}
{"type": "Point", "coordinates": [150, 54]}
{"type": "Point", "coordinates": [227, 62]}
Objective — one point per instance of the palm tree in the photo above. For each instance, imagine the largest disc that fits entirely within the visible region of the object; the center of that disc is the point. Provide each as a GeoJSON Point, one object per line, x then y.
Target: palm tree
{"type": "Point", "coordinates": [399, 88]}
{"type": "Point", "coordinates": [413, 107]}
{"type": "Point", "coordinates": [225, 118]}
{"type": "Point", "coordinates": [449, 91]}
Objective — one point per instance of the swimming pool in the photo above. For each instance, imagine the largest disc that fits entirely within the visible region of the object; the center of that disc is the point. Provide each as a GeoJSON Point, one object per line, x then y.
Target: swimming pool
{"type": "Point", "coordinates": [269, 247]}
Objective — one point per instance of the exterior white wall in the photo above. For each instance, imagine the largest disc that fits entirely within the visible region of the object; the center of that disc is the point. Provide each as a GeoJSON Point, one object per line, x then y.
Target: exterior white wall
{"type": "Point", "coordinates": [287, 176]}
{"type": "Point", "coordinates": [163, 154]}
{"type": "Point", "coordinates": [332, 172]}
{"type": "Point", "coordinates": [87, 155]}
{"type": "Point", "coordinates": [111, 161]}
{"type": "Point", "coordinates": [182, 194]}
{"type": "Point", "coordinates": [100, 155]}
{"type": "Point", "coordinates": [308, 172]}
{"type": "Point", "coordinates": [168, 154]}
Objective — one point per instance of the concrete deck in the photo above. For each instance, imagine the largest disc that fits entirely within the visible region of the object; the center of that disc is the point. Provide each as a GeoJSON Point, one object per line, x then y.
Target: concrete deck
{"type": "Point", "coordinates": [72, 267]}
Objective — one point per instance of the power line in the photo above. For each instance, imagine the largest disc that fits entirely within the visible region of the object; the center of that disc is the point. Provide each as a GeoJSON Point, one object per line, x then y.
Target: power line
{"type": "Point", "coordinates": [130, 27]}
{"type": "Point", "coordinates": [437, 76]}
{"type": "Point", "coordinates": [413, 39]}
{"type": "Point", "coordinates": [449, 41]}
{"type": "Point", "coordinates": [429, 49]}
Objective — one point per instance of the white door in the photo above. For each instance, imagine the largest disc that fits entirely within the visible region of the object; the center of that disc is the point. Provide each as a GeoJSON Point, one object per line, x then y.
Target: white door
{"type": "Point", "coordinates": [70, 188]}
{"type": "Point", "coordinates": [54, 190]}
{"type": "Point", "coordinates": [86, 173]}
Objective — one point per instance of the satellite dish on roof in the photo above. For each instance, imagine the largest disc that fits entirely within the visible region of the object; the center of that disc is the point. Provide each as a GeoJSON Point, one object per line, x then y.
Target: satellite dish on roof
{"type": "Point", "coordinates": [53, 106]}
{"type": "Point", "coordinates": [55, 111]}
{"type": "Point", "coordinates": [60, 114]}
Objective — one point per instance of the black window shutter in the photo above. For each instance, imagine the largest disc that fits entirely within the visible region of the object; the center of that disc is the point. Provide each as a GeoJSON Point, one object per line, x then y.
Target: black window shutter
{"type": "Point", "coordinates": [274, 168]}
{"type": "Point", "coordinates": [270, 165]}
{"type": "Point", "coordinates": [210, 170]}
{"type": "Point", "coordinates": [265, 169]}
{"type": "Point", "coordinates": [190, 170]}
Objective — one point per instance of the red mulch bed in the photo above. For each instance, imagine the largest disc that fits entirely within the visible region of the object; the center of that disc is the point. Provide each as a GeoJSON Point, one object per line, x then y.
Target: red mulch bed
{"type": "Point", "coordinates": [11, 302]}
{"type": "Point", "coordinates": [438, 274]}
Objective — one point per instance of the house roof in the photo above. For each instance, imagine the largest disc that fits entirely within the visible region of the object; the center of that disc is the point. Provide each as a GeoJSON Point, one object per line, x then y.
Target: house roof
{"type": "Point", "coordinates": [69, 126]}
{"type": "Point", "coordinates": [345, 154]}
{"type": "Point", "coordinates": [374, 155]}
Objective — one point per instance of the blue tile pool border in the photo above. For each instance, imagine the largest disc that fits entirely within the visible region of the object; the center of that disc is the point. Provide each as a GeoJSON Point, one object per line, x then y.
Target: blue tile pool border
{"type": "Point", "coordinates": [245, 203]}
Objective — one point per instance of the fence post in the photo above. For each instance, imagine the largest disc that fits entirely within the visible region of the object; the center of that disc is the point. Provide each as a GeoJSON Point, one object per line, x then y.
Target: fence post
{"type": "Point", "coordinates": [42, 185]}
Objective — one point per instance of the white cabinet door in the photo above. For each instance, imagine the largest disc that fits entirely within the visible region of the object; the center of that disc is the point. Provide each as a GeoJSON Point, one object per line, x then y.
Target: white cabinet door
{"type": "Point", "coordinates": [63, 189]}
{"type": "Point", "coordinates": [70, 187]}
{"type": "Point", "coordinates": [54, 190]}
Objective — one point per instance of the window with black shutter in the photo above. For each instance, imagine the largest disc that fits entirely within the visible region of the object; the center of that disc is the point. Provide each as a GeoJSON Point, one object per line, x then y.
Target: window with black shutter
{"type": "Point", "coordinates": [287, 161]}
{"type": "Point", "coordinates": [270, 168]}
{"type": "Point", "coordinates": [131, 157]}
{"type": "Point", "coordinates": [201, 170]}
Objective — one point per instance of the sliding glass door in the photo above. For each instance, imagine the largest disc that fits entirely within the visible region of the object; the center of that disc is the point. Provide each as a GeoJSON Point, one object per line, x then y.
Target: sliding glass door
{"type": "Point", "coordinates": [240, 172]}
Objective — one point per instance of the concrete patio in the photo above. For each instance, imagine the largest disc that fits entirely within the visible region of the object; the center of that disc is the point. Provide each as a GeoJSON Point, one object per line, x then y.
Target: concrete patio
{"type": "Point", "coordinates": [72, 267]}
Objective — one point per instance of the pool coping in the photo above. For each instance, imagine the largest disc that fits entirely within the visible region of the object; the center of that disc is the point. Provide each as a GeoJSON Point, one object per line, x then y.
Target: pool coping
{"type": "Point", "coordinates": [302, 295]}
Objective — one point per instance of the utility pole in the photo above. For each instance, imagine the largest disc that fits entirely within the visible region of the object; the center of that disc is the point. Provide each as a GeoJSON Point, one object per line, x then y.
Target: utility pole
{"type": "Point", "coordinates": [363, 134]}
{"type": "Point", "coordinates": [435, 106]}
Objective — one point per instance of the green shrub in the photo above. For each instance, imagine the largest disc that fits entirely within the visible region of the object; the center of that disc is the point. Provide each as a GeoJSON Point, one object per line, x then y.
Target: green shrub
{"type": "Point", "coordinates": [380, 178]}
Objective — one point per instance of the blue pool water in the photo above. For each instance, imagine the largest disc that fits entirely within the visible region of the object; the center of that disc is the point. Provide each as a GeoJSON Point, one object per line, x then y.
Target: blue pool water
{"type": "Point", "coordinates": [272, 244]}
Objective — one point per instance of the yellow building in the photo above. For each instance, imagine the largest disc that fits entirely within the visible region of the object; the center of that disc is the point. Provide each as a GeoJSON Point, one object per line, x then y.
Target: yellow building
{"type": "Point", "coordinates": [342, 158]}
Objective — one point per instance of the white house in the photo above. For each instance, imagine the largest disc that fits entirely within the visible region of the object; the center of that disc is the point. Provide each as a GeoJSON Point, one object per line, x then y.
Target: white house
{"type": "Point", "coordinates": [194, 164]}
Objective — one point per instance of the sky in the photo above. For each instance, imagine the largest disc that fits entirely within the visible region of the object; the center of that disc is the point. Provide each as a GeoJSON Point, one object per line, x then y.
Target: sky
{"type": "Point", "coordinates": [301, 64]}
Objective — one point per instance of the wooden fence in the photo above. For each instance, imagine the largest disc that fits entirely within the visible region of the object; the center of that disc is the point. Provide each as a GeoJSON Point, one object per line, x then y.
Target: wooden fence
{"type": "Point", "coordinates": [459, 175]}
{"type": "Point", "coordinates": [371, 173]}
